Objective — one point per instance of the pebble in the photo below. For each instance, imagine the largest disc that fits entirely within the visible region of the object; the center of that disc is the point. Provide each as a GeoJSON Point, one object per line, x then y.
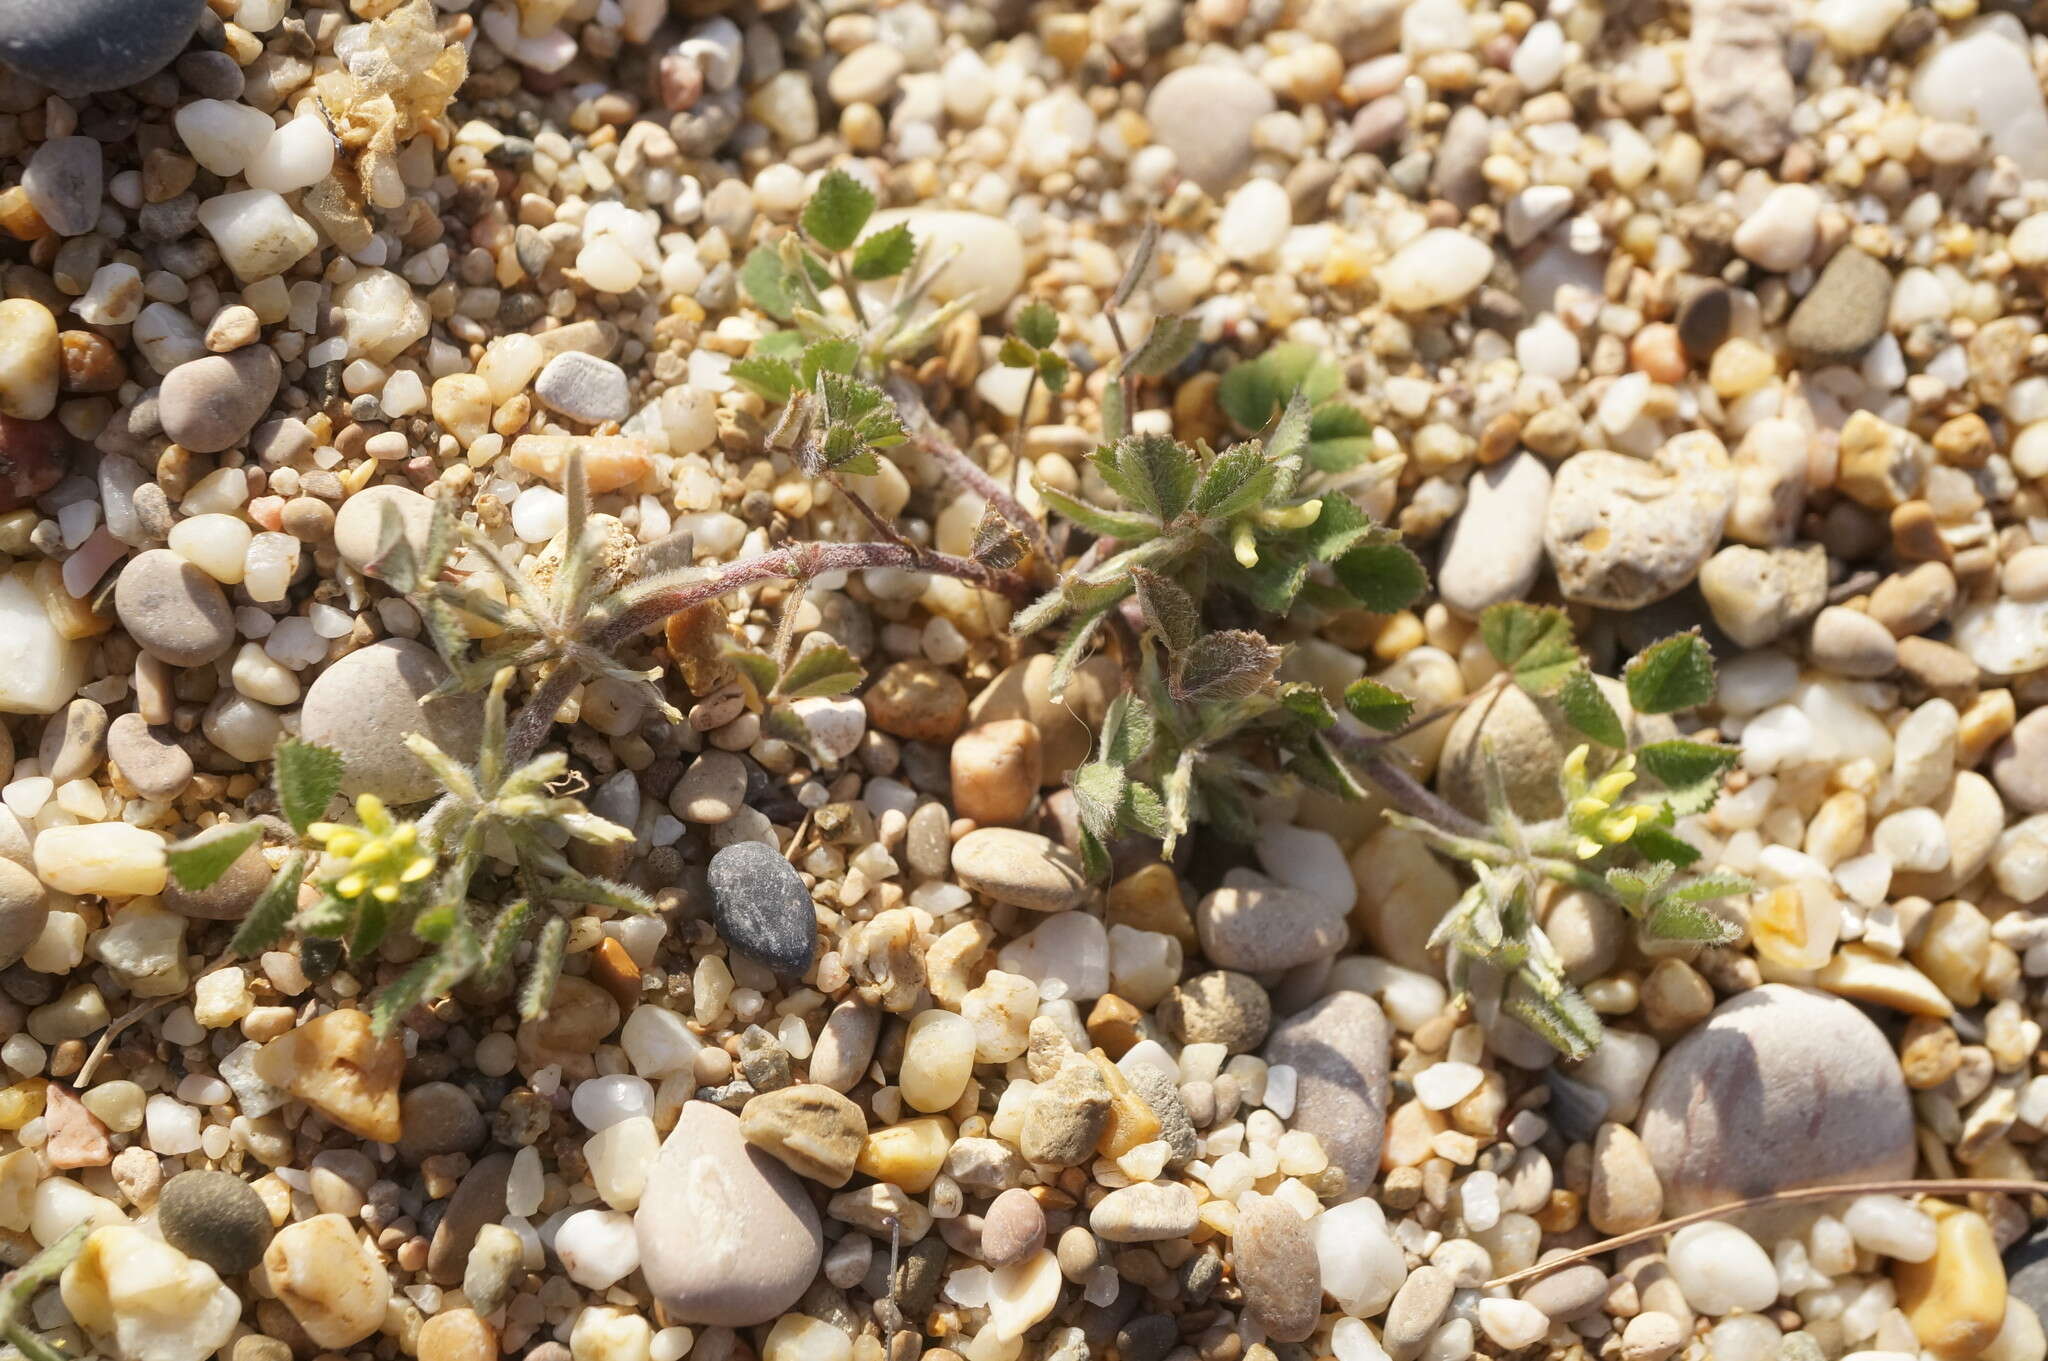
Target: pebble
{"type": "Point", "coordinates": [1735, 71]}
{"type": "Point", "coordinates": [918, 700]}
{"type": "Point", "coordinates": [24, 909]}
{"type": "Point", "coordinates": [1258, 930]}
{"type": "Point", "coordinates": [1012, 1229]}
{"type": "Point", "coordinates": [174, 611]}
{"type": "Point", "coordinates": [1277, 1268]}
{"type": "Point", "coordinates": [145, 1299]}
{"type": "Point", "coordinates": [1625, 1194]}
{"type": "Point", "coordinates": [712, 790]}
{"type": "Point", "coordinates": [1955, 1299]}
{"type": "Point", "coordinates": [1758, 1054]}
{"type": "Point", "coordinates": [761, 907]}
{"type": "Point", "coordinates": [2019, 765]}
{"type": "Point", "coordinates": [810, 1128]}
{"type": "Point", "coordinates": [1219, 1007]}
{"type": "Point", "coordinates": [359, 524]}
{"type": "Point", "coordinates": [598, 1248]}
{"type": "Point", "coordinates": [1892, 1227]}
{"type": "Point", "coordinates": [2004, 637]}
{"type": "Point", "coordinates": [1512, 1324]}
{"type": "Point", "coordinates": [1150, 1212]}
{"type": "Point", "coordinates": [30, 359]}
{"type": "Point", "coordinates": [1983, 77]}
{"type": "Point", "coordinates": [996, 771]}
{"type": "Point", "coordinates": [1721, 1269]}
{"type": "Point", "coordinates": [439, 1118]}
{"type": "Point", "coordinates": [1530, 740]}
{"type": "Point", "coordinates": [479, 1200]}
{"type": "Point", "coordinates": [1758, 595]}
{"type": "Point", "coordinates": [1022, 869]}
{"type": "Point", "coordinates": [1568, 1294]}
{"type": "Point", "coordinates": [1623, 533]}
{"type": "Point", "coordinates": [1254, 222]}
{"type": "Point", "coordinates": [727, 1234]}
{"type": "Point", "coordinates": [1494, 549]}
{"type": "Point", "coordinates": [336, 1065]}
{"type": "Point", "coordinates": [845, 1045]}
{"type": "Point", "coordinates": [258, 234]}
{"type": "Point", "coordinates": [222, 135]}
{"type": "Point", "coordinates": [111, 858]}
{"type": "Point", "coordinates": [1440, 267]}
{"type": "Point", "coordinates": [1204, 113]}
{"type": "Point", "coordinates": [1844, 312]}
{"type": "Point", "coordinates": [227, 898]}
{"type": "Point", "coordinates": [833, 726]}
{"type": "Point", "coordinates": [1338, 1050]}
{"type": "Point", "coordinates": [1851, 643]}
{"type": "Point", "coordinates": [335, 1288]}
{"type": "Point", "coordinates": [584, 388]}
{"type": "Point", "coordinates": [211, 403]}
{"type": "Point", "coordinates": [215, 1217]}
{"type": "Point", "coordinates": [364, 706]}
{"type": "Point", "coordinates": [63, 178]}
{"type": "Point", "coordinates": [1066, 1116]}
{"type": "Point", "coordinates": [1651, 1336]}
{"type": "Point", "coordinates": [94, 45]}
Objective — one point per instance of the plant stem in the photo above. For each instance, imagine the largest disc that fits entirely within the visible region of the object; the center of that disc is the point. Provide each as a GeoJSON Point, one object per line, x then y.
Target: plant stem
{"type": "Point", "coordinates": [1403, 790]}
{"type": "Point", "coordinates": [868, 512]}
{"type": "Point", "coordinates": [1798, 1195]}
{"type": "Point", "coordinates": [928, 437]}
{"type": "Point", "coordinates": [860, 314]}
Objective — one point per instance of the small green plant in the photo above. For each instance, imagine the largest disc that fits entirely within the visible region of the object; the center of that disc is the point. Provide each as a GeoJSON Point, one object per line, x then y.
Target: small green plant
{"type": "Point", "coordinates": [788, 280]}
{"type": "Point", "coordinates": [382, 872]}
{"type": "Point", "coordinates": [1253, 393]}
{"type": "Point", "coordinates": [19, 1288]}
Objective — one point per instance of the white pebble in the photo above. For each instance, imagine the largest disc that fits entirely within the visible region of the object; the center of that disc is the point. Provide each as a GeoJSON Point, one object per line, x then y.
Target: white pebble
{"type": "Point", "coordinates": [1891, 1227]}
{"type": "Point", "coordinates": [598, 1248]}
{"type": "Point", "coordinates": [1721, 1269]}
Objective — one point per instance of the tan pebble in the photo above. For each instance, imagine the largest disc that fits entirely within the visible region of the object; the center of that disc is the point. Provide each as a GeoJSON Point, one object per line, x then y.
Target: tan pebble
{"type": "Point", "coordinates": [458, 1335]}
{"type": "Point", "coordinates": [337, 1066]}
{"type": "Point", "coordinates": [908, 1155]}
{"type": "Point", "coordinates": [1863, 975]}
{"type": "Point", "coordinates": [331, 1284]}
{"type": "Point", "coordinates": [581, 1015]}
{"type": "Point", "coordinates": [1626, 1194]}
{"type": "Point", "coordinates": [996, 770]}
{"type": "Point", "coordinates": [1956, 1299]}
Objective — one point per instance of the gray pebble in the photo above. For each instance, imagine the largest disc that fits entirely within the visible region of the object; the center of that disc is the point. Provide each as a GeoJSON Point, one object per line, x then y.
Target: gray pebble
{"type": "Point", "coordinates": [1219, 1007]}
{"type": "Point", "coordinates": [1338, 1049]}
{"type": "Point", "coordinates": [1569, 1293]}
{"type": "Point", "coordinates": [1163, 1097]}
{"type": "Point", "coordinates": [74, 745]}
{"type": "Point", "coordinates": [24, 908]}
{"type": "Point", "coordinates": [81, 47]}
{"type": "Point", "coordinates": [63, 177]}
{"type": "Point", "coordinates": [150, 758]}
{"type": "Point", "coordinates": [174, 612]}
{"type": "Point", "coordinates": [1844, 312]}
{"type": "Point", "coordinates": [364, 706]}
{"type": "Point", "coordinates": [761, 907]}
{"type": "Point", "coordinates": [212, 403]}
{"type": "Point", "coordinates": [437, 1118]}
{"type": "Point", "coordinates": [1417, 1306]}
{"type": "Point", "coordinates": [216, 1217]}
{"type": "Point", "coordinates": [1277, 1268]}
{"type": "Point", "coordinates": [1204, 112]}
{"type": "Point", "coordinates": [228, 898]}
{"type": "Point", "coordinates": [584, 388]}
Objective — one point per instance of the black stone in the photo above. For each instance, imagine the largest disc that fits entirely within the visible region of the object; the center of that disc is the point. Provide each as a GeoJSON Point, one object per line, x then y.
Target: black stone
{"type": "Point", "coordinates": [1704, 320]}
{"type": "Point", "coordinates": [1148, 1337]}
{"type": "Point", "coordinates": [81, 47]}
{"type": "Point", "coordinates": [2026, 1270]}
{"type": "Point", "coordinates": [918, 1272]}
{"type": "Point", "coordinates": [761, 907]}
{"type": "Point", "coordinates": [215, 1217]}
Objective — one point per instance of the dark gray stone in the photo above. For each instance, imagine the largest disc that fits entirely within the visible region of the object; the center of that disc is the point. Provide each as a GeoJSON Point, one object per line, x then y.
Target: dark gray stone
{"type": "Point", "coordinates": [1338, 1050]}
{"type": "Point", "coordinates": [761, 907]}
{"type": "Point", "coordinates": [216, 1217]}
{"type": "Point", "coordinates": [81, 47]}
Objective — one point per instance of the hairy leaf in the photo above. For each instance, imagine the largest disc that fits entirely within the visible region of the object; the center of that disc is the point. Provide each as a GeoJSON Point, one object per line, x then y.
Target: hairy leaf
{"type": "Point", "coordinates": [1690, 770]}
{"type": "Point", "coordinates": [757, 669]}
{"type": "Point", "coordinates": [1676, 919]}
{"type": "Point", "coordinates": [396, 999]}
{"type": "Point", "coordinates": [1115, 424]}
{"type": "Point", "coordinates": [1314, 759]}
{"type": "Point", "coordinates": [1565, 1021]}
{"type": "Point", "coordinates": [1171, 340]}
{"type": "Point", "coordinates": [1533, 642]}
{"type": "Point", "coordinates": [885, 254]}
{"type": "Point", "coordinates": [1094, 857]}
{"type": "Point", "coordinates": [1071, 649]}
{"type": "Point", "coordinates": [1276, 581]}
{"type": "Point", "coordinates": [1383, 576]}
{"type": "Point", "coordinates": [1038, 325]}
{"type": "Point", "coordinates": [1128, 731]}
{"type": "Point", "coordinates": [1052, 371]}
{"type": "Point", "coordinates": [1236, 482]}
{"type": "Point", "coordinates": [1229, 664]}
{"type": "Point", "coordinates": [820, 672]}
{"type": "Point", "coordinates": [1167, 608]}
{"type": "Point", "coordinates": [1114, 524]}
{"type": "Point", "coordinates": [838, 209]}
{"type": "Point", "coordinates": [997, 543]}
{"type": "Point", "coordinates": [1099, 796]}
{"type": "Point", "coordinates": [1151, 473]}
{"type": "Point", "coordinates": [1134, 270]}
{"type": "Point", "coordinates": [502, 942]}
{"type": "Point", "coordinates": [763, 278]}
{"type": "Point", "coordinates": [1587, 709]}
{"type": "Point", "coordinates": [1339, 438]}
{"type": "Point", "coordinates": [1305, 702]}
{"type": "Point", "coordinates": [198, 861]}
{"type": "Point", "coordinates": [1376, 705]}
{"type": "Point", "coordinates": [834, 354]}
{"type": "Point", "coordinates": [774, 379]}
{"type": "Point", "coordinates": [545, 970]}
{"type": "Point", "coordinates": [1290, 433]}
{"type": "Point", "coordinates": [272, 910]}
{"type": "Point", "coordinates": [1340, 526]}
{"type": "Point", "coordinates": [1658, 842]}
{"type": "Point", "coordinates": [1677, 673]}
{"type": "Point", "coordinates": [1144, 809]}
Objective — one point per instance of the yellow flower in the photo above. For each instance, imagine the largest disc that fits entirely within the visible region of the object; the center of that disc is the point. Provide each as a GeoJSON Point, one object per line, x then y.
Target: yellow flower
{"type": "Point", "coordinates": [383, 855]}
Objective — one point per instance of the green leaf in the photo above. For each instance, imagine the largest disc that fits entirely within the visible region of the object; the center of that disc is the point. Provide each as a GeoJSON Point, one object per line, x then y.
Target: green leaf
{"type": "Point", "coordinates": [765, 281]}
{"type": "Point", "coordinates": [1565, 1021]}
{"type": "Point", "coordinates": [1152, 473]}
{"type": "Point", "coordinates": [774, 379]}
{"type": "Point", "coordinates": [1235, 483]}
{"type": "Point", "coordinates": [1298, 366]}
{"type": "Point", "coordinates": [1228, 664]}
{"type": "Point", "coordinates": [1038, 325]}
{"type": "Point", "coordinates": [1115, 524]}
{"type": "Point", "coordinates": [1707, 888]}
{"type": "Point", "coordinates": [1305, 702]}
{"type": "Point", "coordinates": [780, 345]}
{"type": "Point", "coordinates": [1052, 371]}
{"type": "Point", "coordinates": [1015, 354]}
{"type": "Point", "coordinates": [885, 254]}
{"type": "Point", "coordinates": [546, 969]}
{"type": "Point", "coordinates": [1094, 857]}
{"type": "Point", "coordinates": [1115, 425]}
{"type": "Point", "coordinates": [1128, 731]}
{"type": "Point", "coordinates": [502, 942]}
{"type": "Point", "coordinates": [1340, 527]}
{"type": "Point", "coordinates": [820, 672]}
{"type": "Point", "coordinates": [1382, 576]}
{"type": "Point", "coordinates": [1144, 809]}
{"type": "Point", "coordinates": [757, 668]}
{"type": "Point", "coordinates": [1376, 705]}
{"type": "Point", "coordinates": [1339, 438]}
{"type": "Point", "coordinates": [366, 932]}
{"type": "Point", "coordinates": [1134, 269]}
{"type": "Point", "coordinates": [396, 999]}
{"type": "Point", "coordinates": [1171, 340]}
{"type": "Point", "coordinates": [1068, 655]}
{"type": "Point", "coordinates": [1533, 642]}
{"type": "Point", "coordinates": [197, 861]}
{"type": "Point", "coordinates": [1587, 709]}
{"type": "Point", "coordinates": [1276, 581]}
{"type": "Point", "coordinates": [1290, 432]}
{"type": "Point", "coordinates": [1314, 759]}
{"type": "Point", "coordinates": [1099, 796]}
{"type": "Point", "coordinates": [1167, 608]}
{"type": "Point", "coordinates": [1677, 920]}
{"type": "Point", "coordinates": [837, 354]}
{"type": "Point", "coordinates": [1677, 673]}
{"type": "Point", "coordinates": [272, 910]}
{"type": "Point", "coordinates": [1657, 842]}
{"type": "Point", "coordinates": [1249, 395]}
{"type": "Point", "coordinates": [1690, 771]}
{"type": "Point", "coordinates": [839, 207]}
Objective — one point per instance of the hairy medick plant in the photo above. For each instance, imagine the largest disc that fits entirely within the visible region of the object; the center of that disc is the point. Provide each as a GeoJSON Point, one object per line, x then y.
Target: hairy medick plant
{"type": "Point", "coordinates": [19, 1288]}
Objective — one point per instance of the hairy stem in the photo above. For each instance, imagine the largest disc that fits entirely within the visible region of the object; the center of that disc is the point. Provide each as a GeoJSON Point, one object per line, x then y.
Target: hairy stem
{"type": "Point", "coordinates": [928, 437]}
{"type": "Point", "coordinates": [1369, 757]}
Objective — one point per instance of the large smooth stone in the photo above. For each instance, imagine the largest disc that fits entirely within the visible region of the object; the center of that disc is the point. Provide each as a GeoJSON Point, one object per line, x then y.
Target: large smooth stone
{"type": "Point", "coordinates": [1780, 1087]}
{"type": "Point", "coordinates": [984, 255]}
{"type": "Point", "coordinates": [364, 706]}
{"type": "Point", "coordinates": [1338, 1050]}
{"type": "Point", "coordinates": [727, 1235]}
{"type": "Point", "coordinates": [80, 47]}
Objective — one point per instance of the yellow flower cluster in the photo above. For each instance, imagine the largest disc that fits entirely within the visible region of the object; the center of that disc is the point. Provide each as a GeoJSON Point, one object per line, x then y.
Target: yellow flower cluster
{"type": "Point", "coordinates": [1590, 806]}
{"type": "Point", "coordinates": [382, 855]}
